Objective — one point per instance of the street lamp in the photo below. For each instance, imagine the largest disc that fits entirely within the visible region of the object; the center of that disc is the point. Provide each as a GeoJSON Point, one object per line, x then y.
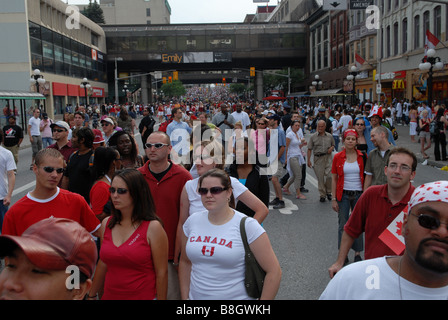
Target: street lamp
{"type": "Point", "coordinates": [430, 63]}
{"type": "Point", "coordinates": [126, 90]}
{"type": "Point", "coordinates": [317, 83]}
{"type": "Point", "coordinates": [37, 79]}
{"type": "Point", "coordinates": [116, 78]}
{"type": "Point", "coordinates": [352, 76]}
{"type": "Point", "coordinates": [85, 84]}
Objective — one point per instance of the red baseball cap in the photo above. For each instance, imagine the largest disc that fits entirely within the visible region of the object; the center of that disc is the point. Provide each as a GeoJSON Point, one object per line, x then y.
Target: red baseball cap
{"type": "Point", "coordinates": [55, 244]}
{"type": "Point", "coordinates": [98, 136]}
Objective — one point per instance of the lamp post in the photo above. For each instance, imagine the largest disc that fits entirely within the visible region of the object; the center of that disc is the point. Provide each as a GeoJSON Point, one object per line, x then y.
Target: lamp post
{"type": "Point", "coordinates": [317, 83]}
{"type": "Point", "coordinates": [85, 84]}
{"type": "Point", "coordinates": [37, 79]}
{"type": "Point", "coordinates": [430, 63]}
{"type": "Point", "coordinates": [116, 78]}
{"type": "Point", "coordinates": [125, 90]}
{"type": "Point", "coordinates": [352, 76]}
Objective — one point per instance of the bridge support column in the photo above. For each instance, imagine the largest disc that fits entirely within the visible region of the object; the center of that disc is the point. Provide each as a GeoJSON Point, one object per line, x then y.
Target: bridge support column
{"type": "Point", "coordinates": [145, 90]}
{"type": "Point", "coordinates": [258, 86]}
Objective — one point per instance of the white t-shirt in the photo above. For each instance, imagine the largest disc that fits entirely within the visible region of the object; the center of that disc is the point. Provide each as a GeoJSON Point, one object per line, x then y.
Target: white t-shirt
{"type": "Point", "coordinates": [194, 197]}
{"type": "Point", "coordinates": [217, 256]}
{"type": "Point", "coordinates": [7, 163]}
{"type": "Point", "coordinates": [35, 126]}
{"type": "Point", "coordinates": [374, 279]}
{"type": "Point", "coordinates": [243, 117]}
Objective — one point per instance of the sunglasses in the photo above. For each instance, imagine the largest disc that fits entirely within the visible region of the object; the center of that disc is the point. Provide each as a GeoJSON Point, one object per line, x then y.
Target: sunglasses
{"type": "Point", "coordinates": [213, 190]}
{"type": "Point", "coordinates": [51, 169]}
{"type": "Point", "coordinates": [428, 222]}
{"type": "Point", "coordinates": [156, 145]}
{"type": "Point", "coordinates": [112, 190]}
{"type": "Point", "coordinates": [58, 130]}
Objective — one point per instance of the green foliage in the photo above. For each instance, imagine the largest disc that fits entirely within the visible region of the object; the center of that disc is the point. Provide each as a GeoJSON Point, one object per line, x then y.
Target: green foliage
{"type": "Point", "coordinates": [174, 89]}
{"type": "Point", "coordinates": [237, 88]}
{"type": "Point", "coordinates": [94, 12]}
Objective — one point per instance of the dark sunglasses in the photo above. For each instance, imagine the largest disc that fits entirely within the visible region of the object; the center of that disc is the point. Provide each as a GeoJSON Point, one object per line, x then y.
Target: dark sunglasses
{"type": "Point", "coordinates": [428, 222]}
{"type": "Point", "coordinates": [58, 130]}
{"type": "Point", "coordinates": [51, 169]}
{"type": "Point", "coordinates": [156, 145]}
{"type": "Point", "coordinates": [213, 190]}
{"type": "Point", "coordinates": [112, 190]}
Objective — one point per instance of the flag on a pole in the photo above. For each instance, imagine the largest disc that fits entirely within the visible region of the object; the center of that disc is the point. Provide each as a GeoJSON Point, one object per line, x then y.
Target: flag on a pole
{"type": "Point", "coordinates": [431, 41]}
{"type": "Point", "coordinates": [392, 236]}
{"type": "Point", "coordinates": [359, 61]}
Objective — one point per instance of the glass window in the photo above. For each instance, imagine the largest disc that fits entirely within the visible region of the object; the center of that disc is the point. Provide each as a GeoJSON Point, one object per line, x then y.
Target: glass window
{"type": "Point", "coordinates": [36, 61]}
{"type": "Point", "coordinates": [48, 65]}
{"type": "Point", "coordinates": [34, 30]}
{"type": "Point", "coordinates": [47, 35]}
{"type": "Point", "coordinates": [396, 38]}
{"type": "Point", "coordinates": [438, 22]}
{"type": "Point", "coordinates": [416, 32]}
{"type": "Point", "coordinates": [57, 39]}
{"type": "Point", "coordinates": [67, 56]}
{"type": "Point", "coordinates": [67, 43]}
{"type": "Point", "coordinates": [82, 61]}
{"type": "Point", "coordinates": [58, 53]}
{"type": "Point", "coordinates": [59, 67]}
{"type": "Point", "coordinates": [47, 49]}
{"type": "Point", "coordinates": [36, 46]}
{"type": "Point", "coordinates": [75, 58]}
{"type": "Point", "coordinates": [404, 35]}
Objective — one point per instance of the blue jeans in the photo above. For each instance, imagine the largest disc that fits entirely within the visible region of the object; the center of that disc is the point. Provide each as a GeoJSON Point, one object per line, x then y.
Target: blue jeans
{"type": "Point", "coordinates": [46, 141]}
{"type": "Point", "coordinates": [3, 210]}
{"type": "Point", "coordinates": [346, 204]}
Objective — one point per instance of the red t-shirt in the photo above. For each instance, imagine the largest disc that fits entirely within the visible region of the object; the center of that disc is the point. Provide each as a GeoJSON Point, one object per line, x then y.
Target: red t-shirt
{"type": "Point", "coordinates": [372, 214]}
{"type": "Point", "coordinates": [99, 196]}
{"type": "Point", "coordinates": [64, 204]}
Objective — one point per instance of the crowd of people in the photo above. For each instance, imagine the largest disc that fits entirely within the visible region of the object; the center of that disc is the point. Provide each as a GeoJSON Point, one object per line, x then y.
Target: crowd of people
{"type": "Point", "coordinates": [165, 221]}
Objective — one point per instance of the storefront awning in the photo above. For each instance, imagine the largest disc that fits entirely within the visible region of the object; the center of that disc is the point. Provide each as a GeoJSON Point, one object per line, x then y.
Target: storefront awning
{"type": "Point", "coordinates": [299, 94]}
{"type": "Point", "coordinates": [20, 95]}
{"type": "Point", "coordinates": [328, 93]}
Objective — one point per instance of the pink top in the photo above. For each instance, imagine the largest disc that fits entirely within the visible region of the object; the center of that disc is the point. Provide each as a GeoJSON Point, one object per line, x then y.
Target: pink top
{"type": "Point", "coordinates": [130, 269]}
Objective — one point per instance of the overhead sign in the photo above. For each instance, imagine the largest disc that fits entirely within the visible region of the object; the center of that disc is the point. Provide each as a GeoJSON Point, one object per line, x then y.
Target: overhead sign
{"type": "Point", "coordinates": [329, 5]}
{"type": "Point", "coordinates": [196, 57]}
{"type": "Point", "coordinates": [360, 4]}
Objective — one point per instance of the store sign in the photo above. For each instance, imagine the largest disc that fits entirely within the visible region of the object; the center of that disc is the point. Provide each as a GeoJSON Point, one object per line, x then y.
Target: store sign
{"type": "Point", "coordinates": [360, 4]}
{"type": "Point", "coordinates": [97, 92]}
{"type": "Point", "coordinates": [392, 75]}
{"type": "Point", "coordinates": [196, 57]}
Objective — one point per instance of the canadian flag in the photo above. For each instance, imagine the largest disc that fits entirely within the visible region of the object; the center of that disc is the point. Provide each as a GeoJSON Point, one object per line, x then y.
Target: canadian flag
{"type": "Point", "coordinates": [208, 251]}
{"type": "Point", "coordinates": [431, 41]}
{"type": "Point", "coordinates": [359, 61]}
{"type": "Point", "coordinates": [392, 236]}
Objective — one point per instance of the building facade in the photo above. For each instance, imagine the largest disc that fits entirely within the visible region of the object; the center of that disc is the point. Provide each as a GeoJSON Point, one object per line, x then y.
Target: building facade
{"type": "Point", "coordinates": [135, 11]}
{"type": "Point", "coordinates": [64, 45]}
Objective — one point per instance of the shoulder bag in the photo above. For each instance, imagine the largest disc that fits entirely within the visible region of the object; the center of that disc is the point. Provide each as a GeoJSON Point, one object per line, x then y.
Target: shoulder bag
{"type": "Point", "coordinates": [254, 274]}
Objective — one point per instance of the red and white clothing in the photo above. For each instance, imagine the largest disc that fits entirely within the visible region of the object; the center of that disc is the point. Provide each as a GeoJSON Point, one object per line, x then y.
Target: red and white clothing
{"type": "Point", "coordinates": [373, 213]}
{"type": "Point", "coordinates": [63, 204]}
{"type": "Point", "coordinates": [338, 166]}
{"type": "Point", "coordinates": [130, 268]}
{"type": "Point", "coordinates": [217, 256]}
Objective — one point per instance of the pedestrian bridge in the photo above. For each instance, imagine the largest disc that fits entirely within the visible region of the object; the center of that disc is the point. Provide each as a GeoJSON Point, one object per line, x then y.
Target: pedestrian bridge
{"type": "Point", "coordinates": [205, 47]}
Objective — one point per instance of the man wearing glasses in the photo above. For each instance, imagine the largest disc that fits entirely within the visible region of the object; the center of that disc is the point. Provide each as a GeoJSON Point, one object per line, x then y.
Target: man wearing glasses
{"type": "Point", "coordinates": [378, 207]}
{"type": "Point", "coordinates": [108, 126]}
{"type": "Point", "coordinates": [166, 181]}
{"type": "Point", "coordinates": [60, 131]}
{"type": "Point", "coordinates": [47, 199]}
{"type": "Point", "coordinates": [421, 272]}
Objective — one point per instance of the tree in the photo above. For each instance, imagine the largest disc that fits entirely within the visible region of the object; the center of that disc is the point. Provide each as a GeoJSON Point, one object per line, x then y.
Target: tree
{"type": "Point", "coordinates": [271, 81]}
{"type": "Point", "coordinates": [237, 88]}
{"type": "Point", "coordinates": [174, 89]}
{"type": "Point", "coordinates": [94, 12]}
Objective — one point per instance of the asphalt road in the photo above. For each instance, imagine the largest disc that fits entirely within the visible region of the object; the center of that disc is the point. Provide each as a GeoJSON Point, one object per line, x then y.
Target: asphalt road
{"type": "Point", "coordinates": [303, 235]}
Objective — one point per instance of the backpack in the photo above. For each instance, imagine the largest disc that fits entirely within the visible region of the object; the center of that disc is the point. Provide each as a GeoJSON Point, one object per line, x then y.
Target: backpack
{"type": "Point", "coordinates": [394, 131]}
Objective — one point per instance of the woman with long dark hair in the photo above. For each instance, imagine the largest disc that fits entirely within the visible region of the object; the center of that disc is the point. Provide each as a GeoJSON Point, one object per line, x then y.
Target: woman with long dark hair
{"type": "Point", "coordinates": [440, 137]}
{"type": "Point", "coordinates": [134, 245]}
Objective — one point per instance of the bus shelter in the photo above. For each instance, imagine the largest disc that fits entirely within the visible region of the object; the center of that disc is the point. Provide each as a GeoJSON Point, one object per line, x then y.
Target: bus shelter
{"type": "Point", "coordinates": [17, 103]}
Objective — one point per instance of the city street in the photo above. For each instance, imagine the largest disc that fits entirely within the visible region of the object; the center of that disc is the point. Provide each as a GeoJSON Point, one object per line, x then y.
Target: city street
{"type": "Point", "coordinates": [303, 234]}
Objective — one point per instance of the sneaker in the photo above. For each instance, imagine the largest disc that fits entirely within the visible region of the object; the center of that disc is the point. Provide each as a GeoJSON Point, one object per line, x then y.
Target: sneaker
{"type": "Point", "coordinates": [274, 202]}
{"type": "Point", "coordinates": [303, 189]}
{"type": "Point", "coordinates": [280, 204]}
{"type": "Point", "coordinates": [322, 199]}
{"type": "Point", "coordinates": [357, 258]}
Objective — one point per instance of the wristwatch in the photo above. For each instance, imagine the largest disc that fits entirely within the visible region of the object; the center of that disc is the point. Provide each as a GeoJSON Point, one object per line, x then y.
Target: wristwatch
{"type": "Point", "coordinates": [334, 199]}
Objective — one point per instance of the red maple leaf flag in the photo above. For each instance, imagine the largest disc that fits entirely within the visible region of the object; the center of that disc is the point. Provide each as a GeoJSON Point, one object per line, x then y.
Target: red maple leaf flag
{"type": "Point", "coordinates": [431, 41]}
{"type": "Point", "coordinates": [359, 61]}
{"type": "Point", "coordinates": [392, 236]}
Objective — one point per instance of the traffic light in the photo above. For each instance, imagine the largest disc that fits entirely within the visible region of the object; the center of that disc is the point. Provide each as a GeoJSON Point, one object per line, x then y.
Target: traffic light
{"type": "Point", "coordinates": [224, 80]}
{"type": "Point", "coordinates": [252, 71]}
{"type": "Point", "coordinates": [164, 80]}
{"type": "Point", "coordinates": [175, 75]}
{"type": "Point", "coordinates": [170, 79]}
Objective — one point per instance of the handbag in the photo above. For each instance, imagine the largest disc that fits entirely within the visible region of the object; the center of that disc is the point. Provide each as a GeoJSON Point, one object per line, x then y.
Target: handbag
{"type": "Point", "coordinates": [254, 274]}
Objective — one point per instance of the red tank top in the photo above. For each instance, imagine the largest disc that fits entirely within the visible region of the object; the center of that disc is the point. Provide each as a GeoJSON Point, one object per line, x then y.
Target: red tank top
{"type": "Point", "coordinates": [130, 269]}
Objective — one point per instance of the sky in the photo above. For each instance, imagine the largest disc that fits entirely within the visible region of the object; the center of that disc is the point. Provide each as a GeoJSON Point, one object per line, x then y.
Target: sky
{"type": "Point", "coordinates": [206, 11]}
